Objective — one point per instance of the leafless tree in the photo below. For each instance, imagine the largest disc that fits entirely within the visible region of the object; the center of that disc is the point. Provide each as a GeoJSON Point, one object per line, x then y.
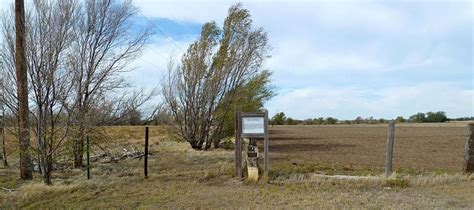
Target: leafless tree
{"type": "Point", "coordinates": [8, 69]}
{"type": "Point", "coordinates": [220, 61]}
{"type": "Point", "coordinates": [49, 36]}
{"type": "Point", "coordinates": [103, 45]}
{"type": "Point", "coordinates": [22, 91]}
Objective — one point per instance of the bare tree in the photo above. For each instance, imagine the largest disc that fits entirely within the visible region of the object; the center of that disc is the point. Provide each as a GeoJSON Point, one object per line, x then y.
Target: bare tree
{"type": "Point", "coordinates": [49, 36]}
{"type": "Point", "coordinates": [220, 61]}
{"type": "Point", "coordinates": [104, 43]}
{"type": "Point", "coordinates": [119, 110]}
{"type": "Point", "coordinates": [22, 91]}
{"type": "Point", "coordinates": [8, 69]}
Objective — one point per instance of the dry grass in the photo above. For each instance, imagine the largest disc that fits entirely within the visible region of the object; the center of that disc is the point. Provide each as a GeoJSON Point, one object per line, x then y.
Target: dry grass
{"type": "Point", "coordinates": [180, 177]}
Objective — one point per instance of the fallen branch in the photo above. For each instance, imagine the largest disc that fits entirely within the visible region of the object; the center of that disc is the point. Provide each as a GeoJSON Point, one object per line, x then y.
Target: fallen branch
{"type": "Point", "coordinates": [6, 189]}
{"type": "Point", "coordinates": [133, 153]}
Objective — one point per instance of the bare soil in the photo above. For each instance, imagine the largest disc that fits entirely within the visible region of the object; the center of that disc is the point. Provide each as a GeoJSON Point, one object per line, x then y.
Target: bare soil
{"type": "Point", "coordinates": [416, 149]}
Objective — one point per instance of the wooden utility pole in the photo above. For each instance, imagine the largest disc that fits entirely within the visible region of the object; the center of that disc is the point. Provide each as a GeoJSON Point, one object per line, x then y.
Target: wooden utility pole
{"type": "Point", "coordinates": [2, 123]}
{"type": "Point", "coordinates": [22, 91]}
{"type": "Point", "coordinates": [390, 140]}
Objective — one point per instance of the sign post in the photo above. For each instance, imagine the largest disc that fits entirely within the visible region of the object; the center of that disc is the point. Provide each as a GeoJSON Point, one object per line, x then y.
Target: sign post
{"type": "Point", "coordinates": [253, 125]}
{"type": "Point", "coordinates": [265, 145]}
{"type": "Point", "coordinates": [238, 146]}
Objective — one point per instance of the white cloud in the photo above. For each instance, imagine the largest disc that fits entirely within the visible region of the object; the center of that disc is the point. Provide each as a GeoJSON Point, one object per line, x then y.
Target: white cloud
{"type": "Point", "coordinates": [191, 11]}
{"type": "Point", "coordinates": [315, 39]}
{"type": "Point", "coordinates": [151, 66]}
{"type": "Point", "coordinates": [332, 39]}
{"type": "Point", "coordinates": [350, 102]}
{"type": "Point", "coordinates": [304, 57]}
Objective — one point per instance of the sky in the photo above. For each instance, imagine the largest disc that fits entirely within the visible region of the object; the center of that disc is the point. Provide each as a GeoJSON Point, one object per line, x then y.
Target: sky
{"type": "Point", "coordinates": [340, 59]}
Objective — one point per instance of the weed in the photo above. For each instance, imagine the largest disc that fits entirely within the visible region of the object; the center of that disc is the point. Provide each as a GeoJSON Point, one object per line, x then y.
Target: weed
{"type": "Point", "coordinates": [397, 182]}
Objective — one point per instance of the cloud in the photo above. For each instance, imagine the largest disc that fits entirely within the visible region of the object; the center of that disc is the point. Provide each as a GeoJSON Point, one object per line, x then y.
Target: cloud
{"type": "Point", "coordinates": [338, 58]}
{"type": "Point", "coordinates": [151, 66]}
{"type": "Point", "coordinates": [389, 102]}
{"type": "Point", "coordinates": [350, 58]}
{"type": "Point", "coordinates": [187, 11]}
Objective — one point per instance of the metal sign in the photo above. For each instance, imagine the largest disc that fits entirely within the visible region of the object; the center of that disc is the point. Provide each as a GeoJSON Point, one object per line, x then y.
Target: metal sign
{"type": "Point", "coordinates": [253, 125]}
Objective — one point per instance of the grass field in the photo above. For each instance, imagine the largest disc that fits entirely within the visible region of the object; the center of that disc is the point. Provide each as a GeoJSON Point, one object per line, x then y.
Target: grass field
{"type": "Point", "coordinates": [428, 162]}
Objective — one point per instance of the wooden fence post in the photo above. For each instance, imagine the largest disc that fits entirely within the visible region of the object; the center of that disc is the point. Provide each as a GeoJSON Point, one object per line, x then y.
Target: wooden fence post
{"type": "Point", "coordinates": [238, 146]}
{"type": "Point", "coordinates": [88, 158]}
{"type": "Point", "coordinates": [469, 150]}
{"type": "Point", "coordinates": [145, 167]}
{"type": "Point", "coordinates": [390, 141]}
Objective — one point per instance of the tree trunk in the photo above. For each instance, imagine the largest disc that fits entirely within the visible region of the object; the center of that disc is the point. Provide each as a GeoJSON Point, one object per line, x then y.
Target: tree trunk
{"type": "Point", "coordinates": [195, 145]}
{"type": "Point", "coordinates": [78, 148]}
{"type": "Point", "coordinates": [40, 139]}
{"type": "Point", "coordinates": [4, 149]}
{"type": "Point", "coordinates": [78, 153]}
{"type": "Point", "coordinates": [22, 91]}
{"type": "Point", "coordinates": [47, 168]}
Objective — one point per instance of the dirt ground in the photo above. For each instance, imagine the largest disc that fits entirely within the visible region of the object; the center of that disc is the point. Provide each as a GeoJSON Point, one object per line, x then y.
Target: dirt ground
{"type": "Point", "coordinates": [416, 149]}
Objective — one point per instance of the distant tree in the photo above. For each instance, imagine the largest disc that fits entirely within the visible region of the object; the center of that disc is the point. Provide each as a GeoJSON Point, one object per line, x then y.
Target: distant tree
{"type": "Point", "coordinates": [162, 117]}
{"type": "Point", "coordinates": [134, 117]}
{"type": "Point", "coordinates": [278, 119]}
{"type": "Point", "coordinates": [400, 119]}
{"type": "Point", "coordinates": [359, 120]}
{"type": "Point", "coordinates": [418, 118]}
{"type": "Point", "coordinates": [290, 121]}
{"type": "Point", "coordinates": [436, 117]}
{"type": "Point", "coordinates": [319, 121]}
{"type": "Point", "coordinates": [308, 121]}
{"type": "Point", "coordinates": [463, 119]}
{"type": "Point", "coordinates": [382, 120]}
{"type": "Point", "coordinates": [331, 120]}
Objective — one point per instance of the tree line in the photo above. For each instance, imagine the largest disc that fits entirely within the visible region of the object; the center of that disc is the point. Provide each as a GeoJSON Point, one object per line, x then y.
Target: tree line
{"type": "Point", "coordinates": [281, 119]}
